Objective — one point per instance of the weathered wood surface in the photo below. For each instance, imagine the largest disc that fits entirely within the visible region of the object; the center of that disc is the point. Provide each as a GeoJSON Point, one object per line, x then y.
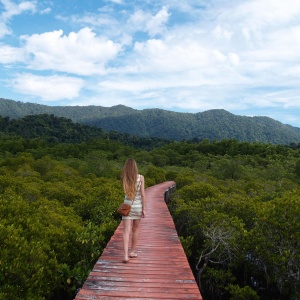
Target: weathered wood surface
{"type": "Point", "coordinates": [161, 270]}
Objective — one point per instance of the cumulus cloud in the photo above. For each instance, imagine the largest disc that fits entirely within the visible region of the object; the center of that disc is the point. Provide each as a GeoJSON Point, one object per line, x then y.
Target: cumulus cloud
{"type": "Point", "coordinates": [10, 54]}
{"type": "Point", "coordinates": [170, 56]}
{"type": "Point", "coordinates": [242, 45]}
{"type": "Point", "coordinates": [48, 88]}
{"type": "Point", "coordinates": [80, 53]}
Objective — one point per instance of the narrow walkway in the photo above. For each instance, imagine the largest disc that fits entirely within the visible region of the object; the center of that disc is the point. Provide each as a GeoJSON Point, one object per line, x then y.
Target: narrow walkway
{"type": "Point", "coordinates": [161, 270]}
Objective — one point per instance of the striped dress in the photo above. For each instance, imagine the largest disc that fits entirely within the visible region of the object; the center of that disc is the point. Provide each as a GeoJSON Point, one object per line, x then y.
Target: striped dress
{"type": "Point", "coordinates": [136, 207]}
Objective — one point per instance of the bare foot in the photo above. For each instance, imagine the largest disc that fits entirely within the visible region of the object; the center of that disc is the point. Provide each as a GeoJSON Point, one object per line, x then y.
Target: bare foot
{"type": "Point", "coordinates": [125, 260]}
{"type": "Point", "coordinates": [133, 255]}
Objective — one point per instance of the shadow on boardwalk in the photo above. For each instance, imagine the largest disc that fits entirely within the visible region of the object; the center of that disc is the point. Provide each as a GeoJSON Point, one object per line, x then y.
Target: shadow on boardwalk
{"type": "Point", "coordinates": [161, 270]}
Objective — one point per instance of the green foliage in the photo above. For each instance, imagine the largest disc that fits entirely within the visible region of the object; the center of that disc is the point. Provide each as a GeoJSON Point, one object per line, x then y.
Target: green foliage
{"type": "Point", "coordinates": [236, 210]}
{"type": "Point", "coordinates": [275, 242]}
{"type": "Point", "coordinates": [155, 175]}
{"type": "Point", "coordinates": [241, 233]}
{"type": "Point", "coordinates": [244, 293]}
{"type": "Point", "coordinates": [101, 198]}
{"type": "Point", "coordinates": [52, 128]}
{"type": "Point", "coordinates": [58, 129]}
{"type": "Point", "coordinates": [297, 168]}
{"type": "Point", "coordinates": [92, 241]}
{"type": "Point", "coordinates": [37, 240]}
{"type": "Point", "coordinates": [54, 224]}
{"type": "Point", "coordinates": [187, 243]}
{"type": "Point", "coordinates": [184, 179]}
{"type": "Point", "coordinates": [197, 191]}
{"type": "Point", "coordinates": [214, 281]}
{"type": "Point", "coordinates": [229, 169]}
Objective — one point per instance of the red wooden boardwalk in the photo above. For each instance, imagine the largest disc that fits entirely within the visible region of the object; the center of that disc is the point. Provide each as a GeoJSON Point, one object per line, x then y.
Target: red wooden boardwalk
{"type": "Point", "coordinates": [161, 270]}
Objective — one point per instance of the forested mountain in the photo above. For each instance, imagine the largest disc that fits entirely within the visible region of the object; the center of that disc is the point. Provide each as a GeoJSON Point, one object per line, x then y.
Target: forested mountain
{"type": "Point", "coordinates": [217, 124]}
{"type": "Point", "coordinates": [62, 130]}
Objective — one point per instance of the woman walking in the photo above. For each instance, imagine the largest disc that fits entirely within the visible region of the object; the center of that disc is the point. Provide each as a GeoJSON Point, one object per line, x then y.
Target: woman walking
{"type": "Point", "coordinates": [134, 189]}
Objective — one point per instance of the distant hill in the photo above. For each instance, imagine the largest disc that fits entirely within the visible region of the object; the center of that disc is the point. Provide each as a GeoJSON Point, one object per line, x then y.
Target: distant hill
{"type": "Point", "coordinates": [55, 129]}
{"type": "Point", "coordinates": [216, 124]}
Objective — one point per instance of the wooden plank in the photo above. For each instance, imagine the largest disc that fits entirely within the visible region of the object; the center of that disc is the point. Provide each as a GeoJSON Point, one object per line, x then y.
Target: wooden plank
{"type": "Point", "coordinates": [161, 270]}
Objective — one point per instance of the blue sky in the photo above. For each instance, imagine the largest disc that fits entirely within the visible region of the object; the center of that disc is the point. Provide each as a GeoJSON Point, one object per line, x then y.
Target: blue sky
{"type": "Point", "coordinates": [189, 56]}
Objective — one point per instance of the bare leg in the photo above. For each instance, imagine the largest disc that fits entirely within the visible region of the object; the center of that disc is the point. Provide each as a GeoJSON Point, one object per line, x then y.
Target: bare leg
{"type": "Point", "coordinates": [135, 235]}
{"type": "Point", "coordinates": [126, 232]}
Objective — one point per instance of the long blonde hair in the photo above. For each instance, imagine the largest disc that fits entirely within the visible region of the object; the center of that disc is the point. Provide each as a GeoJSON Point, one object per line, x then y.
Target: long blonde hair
{"type": "Point", "coordinates": [129, 178]}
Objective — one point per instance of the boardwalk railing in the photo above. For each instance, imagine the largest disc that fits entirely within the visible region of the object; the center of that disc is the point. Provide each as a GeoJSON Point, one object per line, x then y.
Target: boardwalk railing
{"type": "Point", "coordinates": [161, 270]}
{"type": "Point", "coordinates": [169, 191]}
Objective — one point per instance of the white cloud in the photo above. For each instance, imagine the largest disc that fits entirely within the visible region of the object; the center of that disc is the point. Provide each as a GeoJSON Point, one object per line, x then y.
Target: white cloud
{"type": "Point", "coordinates": [48, 88]}
{"type": "Point", "coordinates": [10, 54]}
{"type": "Point", "coordinates": [263, 13]}
{"type": "Point", "coordinates": [117, 1]}
{"type": "Point", "coordinates": [278, 104]}
{"type": "Point", "coordinates": [251, 22]}
{"type": "Point", "coordinates": [91, 19]}
{"type": "Point", "coordinates": [12, 9]}
{"type": "Point", "coordinates": [79, 53]}
{"type": "Point", "coordinates": [4, 30]}
{"type": "Point", "coordinates": [146, 22]}
{"type": "Point", "coordinates": [46, 11]}
{"type": "Point", "coordinates": [156, 24]}
{"type": "Point", "coordinates": [220, 60]}
{"type": "Point", "coordinates": [221, 33]}
{"type": "Point", "coordinates": [158, 55]}
{"type": "Point", "coordinates": [234, 59]}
